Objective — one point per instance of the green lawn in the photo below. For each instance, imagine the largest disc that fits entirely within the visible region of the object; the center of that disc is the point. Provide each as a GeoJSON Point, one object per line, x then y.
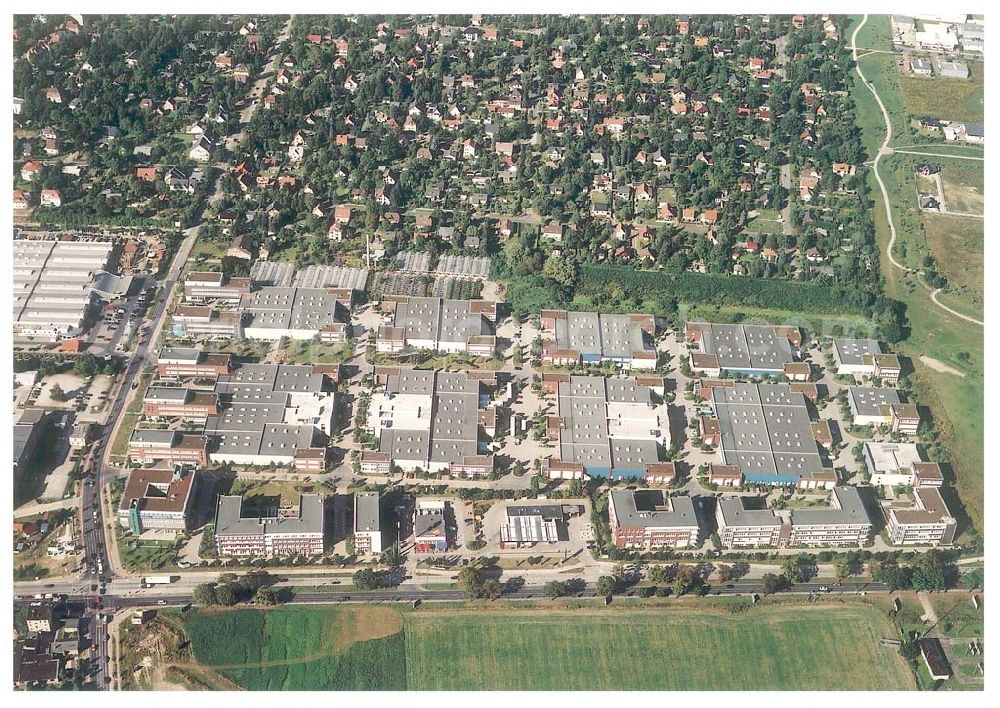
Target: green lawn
{"type": "Point", "coordinates": [801, 648]}
{"type": "Point", "coordinates": [963, 186]}
{"type": "Point", "coordinates": [874, 35]}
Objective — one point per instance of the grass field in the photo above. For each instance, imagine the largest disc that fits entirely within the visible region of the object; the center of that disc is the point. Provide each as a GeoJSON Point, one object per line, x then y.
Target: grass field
{"type": "Point", "coordinates": [683, 649]}
{"type": "Point", "coordinates": [303, 648]}
{"type": "Point", "coordinates": [381, 648]}
{"type": "Point", "coordinates": [288, 491]}
{"type": "Point", "coordinates": [956, 403]}
{"type": "Point", "coordinates": [947, 99]}
{"type": "Point", "coordinates": [957, 245]}
{"type": "Point", "coordinates": [963, 186]}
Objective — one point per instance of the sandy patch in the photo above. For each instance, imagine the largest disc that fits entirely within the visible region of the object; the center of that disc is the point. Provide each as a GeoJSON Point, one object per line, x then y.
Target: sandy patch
{"type": "Point", "coordinates": [941, 366]}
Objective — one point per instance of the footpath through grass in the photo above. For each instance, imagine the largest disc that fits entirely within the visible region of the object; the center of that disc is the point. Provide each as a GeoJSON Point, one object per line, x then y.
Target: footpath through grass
{"type": "Point", "coordinates": [955, 402]}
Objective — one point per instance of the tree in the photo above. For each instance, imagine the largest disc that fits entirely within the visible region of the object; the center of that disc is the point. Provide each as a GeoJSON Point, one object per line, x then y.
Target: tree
{"type": "Point", "coordinates": [928, 577]}
{"type": "Point", "coordinates": [725, 573]}
{"type": "Point", "coordinates": [771, 583]}
{"type": "Point", "coordinates": [265, 596]}
{"type": "Point", "coordinates": [798, 569]}
{"type": "Point", "coordinates": [469, 582]}
{"type": "Point", "coordinates": [607, 585]}
{"type": "Point", "coordinates": [687, 580]}
{"type": "Point", "coordinates": [365, 579]}
{"type": "Point", "coordinates": [57, 394]}
{"type": "Point", "coordinates": [974, 579]}
{"type": "Point", "coordinates": [204, 594]}
{"type": "Point", "coordinates": [392, 555]}
{"type": "Point", "coordinates": [86, 365]}
{"type": "Point", "coordinates": [225, 595]}
{"type": "Point", "coordinates": [657, 574]}
{"type": "Point", "coordinates": [846, 566]}
{"type": "Point", "coordinates": [554, 588]}
{"type": "Point", "coordinates": [491, 589]}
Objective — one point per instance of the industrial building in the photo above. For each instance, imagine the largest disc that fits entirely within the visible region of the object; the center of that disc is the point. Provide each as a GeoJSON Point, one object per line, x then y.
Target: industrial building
{"type": "Point", "coordinates": [882, 406]}
{"type": "Point", "coordinates": [865, 357]}
{"type": "Point", "coordinates": [606, 427]}
{"type": "Point", "coordinates": [194, 321]}
{"type": "Point", "coordinates": [178, 362]}
{"type": "Point", "coordinates": [179, 402]}
{"type": "Point", "coordinates": [206, 286]}
{"type": "Point", "coordinates": [847, 521]}
{"type": "Point", "coordinates": [367, 523]}
{"type": "Point", "coordinates": [765, 432]}
{"type": "Point", "coordinates": [54, 285]}
{"type": "Point", "coordinates": [447, 326]}
{"type": "Point", "coordinates": [891, 464]}
{"type": "Point", "coordinates": [751, 350]}
{"type": "Point", "coordinates": [269, 413]}
{"type": "Point", "coordinates": [260, 526]}
{"type": "Point", "coordinates": [154, 444]}
{"type": "Point", "coordinates": [649, 518]}
{"type": "Point", "coordinates": [158, 497]}
{"type": "Point", "coordinates": [430, 533]}
{"type": "Point", "coordinates": [28, 430]}
{"type": "Point", "coordinates": [526, 525]}
{"type": "Point", "coordinates": [594, 338]}
{"type": "Point", "coordinates": [297, 313]}
{"type": "Point", "coordinates": [434, 420]}
{"type": "Point", "coordinates": [926, 522]}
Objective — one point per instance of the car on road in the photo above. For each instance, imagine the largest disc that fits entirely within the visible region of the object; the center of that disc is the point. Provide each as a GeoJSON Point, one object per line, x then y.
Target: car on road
{"type": "Point", "coordinates": [161, 602]}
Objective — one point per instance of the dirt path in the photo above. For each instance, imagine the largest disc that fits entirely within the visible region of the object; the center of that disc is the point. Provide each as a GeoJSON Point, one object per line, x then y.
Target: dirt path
{"type": "Point", "coordinates": [941, 366]}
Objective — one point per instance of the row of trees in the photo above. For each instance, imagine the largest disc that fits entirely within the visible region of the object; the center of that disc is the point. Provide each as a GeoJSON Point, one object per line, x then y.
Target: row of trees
{"type": "Point", "coordinates": [254, 587]}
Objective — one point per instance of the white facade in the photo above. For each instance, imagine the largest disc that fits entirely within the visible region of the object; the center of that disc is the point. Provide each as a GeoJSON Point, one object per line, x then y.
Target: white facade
{"type": "Point", "coordinates": [891, 464]}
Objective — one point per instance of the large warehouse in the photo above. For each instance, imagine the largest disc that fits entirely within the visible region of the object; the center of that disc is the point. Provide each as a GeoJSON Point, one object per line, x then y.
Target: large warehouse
{"type": "Point", "coordinates": [766, 432]}
{"type": "Point", "coordinates": [593, 338]}
{"type": "Point", "coordinates": [269, 413]}
{"type": "Point", "coordinates": [753, 350]}
{"type": "Point", "coordinates": [433, 420]}
{"type": "Point", "coordinates": [54, 285]}
{"type": "Point", "coordinates": [447, 326]}
{"type": "Point", "coordinates": [297, 313]}
{"type": "Point", "coordinates": [607, 427]}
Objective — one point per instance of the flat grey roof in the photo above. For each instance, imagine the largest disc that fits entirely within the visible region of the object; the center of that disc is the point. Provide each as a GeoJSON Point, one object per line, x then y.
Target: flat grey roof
{"type": "Point", "coordinates": [868, 401]}
{"type": "Point", "coordinates": [429, 523]}
{"type": "Point", "coordinates": [229, 519]}
{"type": "Point", "coordinates": [847, 507]}
{"type": "Point", "coordinates": [366, 511]}
{"type": "Point", "coordinates": [431, 318]}
{"type": "Point", "coordinates": [291, 308]}
{"type": "Point", "coordinates": [600, 334]}
{"type": "Point", "coordinates": [187, 355]}
{"type": "Point", "coordinates": [851, 351]}
{"type": "Point", "coordinates": [734, 513]}
{"type": "Point", "coordinates": [746, 347]}
{"type": "Point", "coordinates": [166, 394]}
{"type": "Point", "coordinates": [546, 511]}
{"type": "Point", "coordinates": [652, 508]}
{"type": "Point", "coordinates": [152, 436]}
{"type": "Point", "coordinates": [765, 429]}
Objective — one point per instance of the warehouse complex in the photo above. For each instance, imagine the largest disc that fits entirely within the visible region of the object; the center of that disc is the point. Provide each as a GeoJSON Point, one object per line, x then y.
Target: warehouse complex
{"type": "Point", "coordinates": [594, 338]}
{"type": "Point", "coordinates": [606, 427]}
{"type": "Point", "coordinates": [297, 313]}
{"type": "Point", "coordinates": [431, 420]}
{"type": "Point", "coordinates": [54, 285]}
{"type": "Point", "coordinates": [865, 358]}
{"type": "Point", "coordinates": [269, 413]}
{"type": "Point", "coordinates": [752, 350]}
{"type": "Point", "coordinates": [766, 433]}
{"type": "Point", "coordinates": [447, 326]}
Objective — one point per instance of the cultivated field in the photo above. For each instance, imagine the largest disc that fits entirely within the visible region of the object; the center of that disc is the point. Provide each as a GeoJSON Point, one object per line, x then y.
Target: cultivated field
{"type": "Point", "coordinates": [302, 648]}
{"type": "Point", "coordinates": [382, 648]}
{"type": "Point", "coordinates": [801, 648]}
{"type": "Point", "coordinates": [946, 99]}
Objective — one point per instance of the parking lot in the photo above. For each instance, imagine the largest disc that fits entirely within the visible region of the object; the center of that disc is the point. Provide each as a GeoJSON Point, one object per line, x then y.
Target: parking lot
{"type": "Point", "coordinates": [574, 534]}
